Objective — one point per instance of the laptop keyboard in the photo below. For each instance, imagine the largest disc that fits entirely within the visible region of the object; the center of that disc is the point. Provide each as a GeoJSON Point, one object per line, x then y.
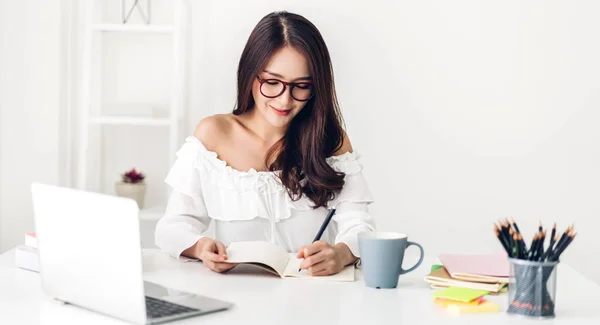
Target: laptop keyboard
{"type": "Point", "coordinates": [156, 308]}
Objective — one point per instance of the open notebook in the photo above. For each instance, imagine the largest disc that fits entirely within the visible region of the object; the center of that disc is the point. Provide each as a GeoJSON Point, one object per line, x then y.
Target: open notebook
{"type": "Point", "coordinates": [276, 260]}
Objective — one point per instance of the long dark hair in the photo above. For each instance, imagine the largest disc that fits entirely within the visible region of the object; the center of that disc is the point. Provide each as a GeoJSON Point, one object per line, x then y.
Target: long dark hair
{"type": "Point", "coordinates": [316, 132]}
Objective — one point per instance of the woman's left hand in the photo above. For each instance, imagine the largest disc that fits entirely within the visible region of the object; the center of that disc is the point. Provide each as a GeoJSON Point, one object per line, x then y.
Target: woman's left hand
{"type": "Point", "coordinates": [320, 258]}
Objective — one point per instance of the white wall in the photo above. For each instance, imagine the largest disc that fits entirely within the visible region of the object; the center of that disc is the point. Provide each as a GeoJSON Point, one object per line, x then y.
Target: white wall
{"type": "Point", "coordinates": [29, 114]}
{"type": "Point", "coordinates": [2, 91]}
{"type": "Point", "coordinates": [465, 111]}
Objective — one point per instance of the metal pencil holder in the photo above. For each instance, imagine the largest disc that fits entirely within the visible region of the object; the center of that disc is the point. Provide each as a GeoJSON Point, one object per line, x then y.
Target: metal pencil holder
{"type": "Point", "coordinates": [532, 288]}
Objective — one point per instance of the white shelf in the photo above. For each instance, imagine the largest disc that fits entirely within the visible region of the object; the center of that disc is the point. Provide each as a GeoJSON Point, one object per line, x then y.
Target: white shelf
{"type": "Point", "coordinates": [152, 213]}
{"type": "Point", "coordinates": [92, 42]}
{"type": "Point", "coordinates": [125, 120]}
{"type": "Point", "coordinates": [133, 28]}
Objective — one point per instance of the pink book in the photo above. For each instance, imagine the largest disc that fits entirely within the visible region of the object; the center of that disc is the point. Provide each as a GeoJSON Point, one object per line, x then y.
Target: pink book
{"type": "Point", "coordinates": [489, 268]}
{"type": "Point", "coordinates": [31, 240]}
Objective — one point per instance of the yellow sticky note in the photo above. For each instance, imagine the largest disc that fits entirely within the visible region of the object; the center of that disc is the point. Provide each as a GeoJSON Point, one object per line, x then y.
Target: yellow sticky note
{"type": "Point", "coordinates": [446, 302]}
{"type": "Point", "coordinates": [486, 307]}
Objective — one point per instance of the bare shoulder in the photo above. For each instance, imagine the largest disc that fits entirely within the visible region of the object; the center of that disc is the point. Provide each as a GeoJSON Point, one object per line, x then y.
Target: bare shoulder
{"type": "Point", "coordinates": [212, 130]}
{"type": "Point", "coordinates": [346, 145]}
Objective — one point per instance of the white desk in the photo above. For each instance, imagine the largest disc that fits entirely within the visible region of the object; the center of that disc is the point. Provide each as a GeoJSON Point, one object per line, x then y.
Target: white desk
{"type": "Point", "coordinates": [263, 299]}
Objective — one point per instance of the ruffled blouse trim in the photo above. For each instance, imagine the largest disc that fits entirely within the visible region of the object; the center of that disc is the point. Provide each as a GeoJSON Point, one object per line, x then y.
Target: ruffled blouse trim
{"type": "Point", "coordinates": [230, 194]}
{"type": "Point", "coordinates": [231, 178]}
{"type": "Point", "coordinates": [347, 163]}
{"type": "Point", "coordinates": [218, 173]}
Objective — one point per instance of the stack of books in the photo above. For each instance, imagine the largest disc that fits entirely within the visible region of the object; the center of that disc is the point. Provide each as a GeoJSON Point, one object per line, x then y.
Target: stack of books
{"type": "Point", "coordinates": [487, 272]}
{"type": "Point", "coordinates": [26, 256]}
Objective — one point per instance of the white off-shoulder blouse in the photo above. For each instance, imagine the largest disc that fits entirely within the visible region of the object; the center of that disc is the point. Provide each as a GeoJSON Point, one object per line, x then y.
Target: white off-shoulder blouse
{"type": "Point", "coordinates": [253, 205]}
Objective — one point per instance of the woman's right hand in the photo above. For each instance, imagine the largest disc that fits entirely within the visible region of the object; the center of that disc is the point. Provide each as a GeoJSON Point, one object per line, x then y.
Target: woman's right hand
{"type": "Point", "coordinates": [213, 254]}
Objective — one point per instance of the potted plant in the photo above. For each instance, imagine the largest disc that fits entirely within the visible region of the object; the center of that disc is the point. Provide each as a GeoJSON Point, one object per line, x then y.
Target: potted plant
{"type": "Point", "coordinates": [132, 185]}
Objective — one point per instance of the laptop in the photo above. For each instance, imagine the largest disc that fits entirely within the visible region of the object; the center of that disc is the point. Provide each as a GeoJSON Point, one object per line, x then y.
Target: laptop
{"type": "Point", "coordinates": [91, 257]}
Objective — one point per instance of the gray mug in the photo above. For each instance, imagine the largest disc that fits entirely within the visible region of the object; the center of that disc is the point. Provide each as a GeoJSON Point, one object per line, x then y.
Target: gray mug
{"type": "Point", "coordinates": [381, 255]}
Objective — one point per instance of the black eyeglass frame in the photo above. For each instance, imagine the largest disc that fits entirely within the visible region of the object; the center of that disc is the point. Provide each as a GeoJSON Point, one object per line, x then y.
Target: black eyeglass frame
{"type": "Point", "coordinates": [285, 85]}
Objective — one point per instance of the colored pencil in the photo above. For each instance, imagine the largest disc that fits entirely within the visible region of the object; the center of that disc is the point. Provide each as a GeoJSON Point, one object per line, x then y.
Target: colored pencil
{"type": "Point", "coordinates": [510, 237]}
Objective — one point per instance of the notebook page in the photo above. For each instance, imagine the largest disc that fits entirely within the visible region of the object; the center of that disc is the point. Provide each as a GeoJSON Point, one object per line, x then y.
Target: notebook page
{"type": "Point", "coordinates": [258, 252]}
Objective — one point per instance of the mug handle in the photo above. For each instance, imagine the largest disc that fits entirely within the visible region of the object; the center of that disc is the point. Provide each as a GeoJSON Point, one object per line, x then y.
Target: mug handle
{"type": "Point", "coordinates": [408, 244]}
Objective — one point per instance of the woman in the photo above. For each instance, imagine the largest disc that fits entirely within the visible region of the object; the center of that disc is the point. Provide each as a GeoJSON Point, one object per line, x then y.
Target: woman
{"type": "Point", "coordinates": [271, 169]}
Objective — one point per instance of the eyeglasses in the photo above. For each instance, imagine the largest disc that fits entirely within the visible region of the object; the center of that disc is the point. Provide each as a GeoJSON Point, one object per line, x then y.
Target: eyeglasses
{"type": "Point", "coordinates": [271, 88]}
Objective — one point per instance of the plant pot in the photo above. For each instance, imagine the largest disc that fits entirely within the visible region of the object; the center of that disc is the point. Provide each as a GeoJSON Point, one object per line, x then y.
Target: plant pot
{"type": "Point", "coordinates": [135, 191]}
